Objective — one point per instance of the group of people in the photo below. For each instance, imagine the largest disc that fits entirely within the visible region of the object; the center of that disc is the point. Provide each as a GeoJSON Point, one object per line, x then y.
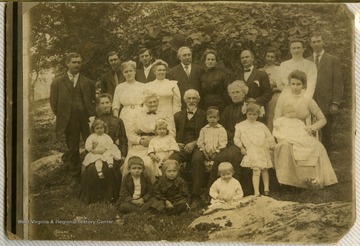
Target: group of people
{"type": "Point", "coordinates": [163, 138]}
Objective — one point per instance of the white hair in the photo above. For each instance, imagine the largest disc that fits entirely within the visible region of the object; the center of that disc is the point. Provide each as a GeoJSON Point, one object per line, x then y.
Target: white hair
{"type": "Point", "coordinates": [191, 91]}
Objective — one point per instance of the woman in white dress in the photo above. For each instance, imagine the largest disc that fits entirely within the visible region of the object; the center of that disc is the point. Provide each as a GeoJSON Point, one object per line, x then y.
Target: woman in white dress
{"type": "Point", "coordinates": [142, 130]}
{"type": "Point", "coordinates": [305, 173]}
{"type": "Point", "coordinates": [168, 90]}
{"type": "Point", "coordinates": [128, 96]}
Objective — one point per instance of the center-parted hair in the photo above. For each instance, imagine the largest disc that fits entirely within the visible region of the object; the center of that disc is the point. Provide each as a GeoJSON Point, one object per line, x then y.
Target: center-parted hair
{"type": "Point", "coordinates": [99, 122]}
{"type": "Point", "coordinates": [239, 84]}
{"type": "Point", "coordinates": [104, 95]}
{"type": "Point", "coordinates": [127, 64]}
{"type": "Point", "coordinates": [159, 62]}
{"type": "Point", "coordinates": [300, 75]}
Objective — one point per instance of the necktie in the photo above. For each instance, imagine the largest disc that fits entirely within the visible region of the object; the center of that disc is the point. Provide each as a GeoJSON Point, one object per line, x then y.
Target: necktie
{"type": "Point", "coordinates": [317, 60]}
{"type": "Point", "coordinates": [187, 71]}
{"type": "Point", "coordinates": [151, 112]}
{"type": "Point", "coordinates": [116, 79]}
{"type": "Point", "coordinates": [189, 112]}
{"type": "Point", "coordinates": [247, 70]}
{"type": "Point", "coordinates": [72, 79]}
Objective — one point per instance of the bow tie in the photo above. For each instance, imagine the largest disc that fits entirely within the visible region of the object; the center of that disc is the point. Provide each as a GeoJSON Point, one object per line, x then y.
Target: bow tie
{"type": "Point", "coordinates": [247, 70]}
{"type": "Point", "coordinates": [189, 112]}
{"type": "Point", "coordinates": [151, 112]}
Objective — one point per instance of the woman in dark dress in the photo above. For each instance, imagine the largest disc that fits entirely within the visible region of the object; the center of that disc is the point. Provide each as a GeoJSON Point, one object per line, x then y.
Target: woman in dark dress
{"type": "Point", "coordinates": [93, 189]}
{"type": "Point", "coordinates": [213, 82]}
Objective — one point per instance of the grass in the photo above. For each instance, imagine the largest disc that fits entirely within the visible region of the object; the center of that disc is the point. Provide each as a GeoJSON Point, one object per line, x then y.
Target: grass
{"type": "Point", "coordinates": [52, 199]}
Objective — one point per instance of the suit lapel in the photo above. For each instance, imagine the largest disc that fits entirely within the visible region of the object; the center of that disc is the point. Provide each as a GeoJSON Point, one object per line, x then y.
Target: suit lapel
{"type": "Point", "coordinates": [184, 120]}
{"type": "Point", "coordinates": [323, 61]}
{"type": "Point", "coordinates": [68, 82]}
{"type": "Point", "coordinates": [251, 77]}
{"type": "Point", "coordinates": [182, 70]}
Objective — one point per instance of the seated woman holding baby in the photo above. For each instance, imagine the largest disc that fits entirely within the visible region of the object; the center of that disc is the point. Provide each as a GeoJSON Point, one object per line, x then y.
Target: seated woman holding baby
{"type": "Point", "coordinates": [300, 159]}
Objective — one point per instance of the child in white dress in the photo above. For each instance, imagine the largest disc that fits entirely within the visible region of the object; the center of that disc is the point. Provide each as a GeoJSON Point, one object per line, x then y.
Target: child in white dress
{"type": "Point", "coordinates": [212, 138]}
{"type": "Point", "coordinates": [255, 142]}
{"type": "Point", "coordinates": [162, 146]}
{"type": "Point", "coordinates": [225, 189]}
{"type": "Point", "coordinates": [100, 147]}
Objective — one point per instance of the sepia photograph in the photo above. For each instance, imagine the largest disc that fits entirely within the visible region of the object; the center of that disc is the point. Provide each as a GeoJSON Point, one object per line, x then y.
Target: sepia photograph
{"type": "Point", "coordinates": [187, 122]}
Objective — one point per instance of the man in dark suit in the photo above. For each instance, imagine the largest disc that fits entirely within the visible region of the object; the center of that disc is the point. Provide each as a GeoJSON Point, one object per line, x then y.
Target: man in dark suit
{"type": "Point", "coordinates": [145, 74]}
{"type": "Point", "coordinates": [188, 123]}
{"type": "Point", "coordinates": [114, 76]}
{"type": "Point", "coordinates": [72, 99]}
{"type": "Point", "coordinates": [186, 73]}
{"type": "Point", "coordinates": [329, 85]}
{"type": "Point", "coordinates": [258, 81]}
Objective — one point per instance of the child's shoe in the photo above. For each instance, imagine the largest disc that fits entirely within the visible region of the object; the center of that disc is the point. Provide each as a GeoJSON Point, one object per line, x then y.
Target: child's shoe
{"type": "Point", "coordinates": [266, 193]}
{"type": "Point", "coordinates": [101, 175]}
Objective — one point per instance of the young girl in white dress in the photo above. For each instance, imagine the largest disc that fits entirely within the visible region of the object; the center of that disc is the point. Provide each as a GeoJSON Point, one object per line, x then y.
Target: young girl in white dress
{"type": "Point", "coordinates": [100, 147]}
{"type": "Point", "coordinates": [162, 146]}
{"type": "Point", "coordinates": [226, 189]}
{"type": "Point", "coordinates": [255, 141]}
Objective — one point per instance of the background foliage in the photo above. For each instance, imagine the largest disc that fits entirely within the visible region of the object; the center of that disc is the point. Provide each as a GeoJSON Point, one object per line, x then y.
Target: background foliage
{"type": "Point", "coordinates": [93, 29]}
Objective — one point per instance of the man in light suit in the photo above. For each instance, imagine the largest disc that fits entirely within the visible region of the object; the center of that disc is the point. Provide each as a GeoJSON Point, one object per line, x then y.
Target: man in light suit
{"type": "Point", "coordinates": [188, 123]}
{"type": "Point", "coordinates": [145, 74]}
{"type": "Point", "coordinates": [186, 73]}
{"type": "Point", "coordinates": [114, 76]}
{"type": "Point", "coordinates": [329, 85]}
{"type": "Point", "coordinates": [258, 81]}
{"type": "Point", "coordinates": [72, 99]}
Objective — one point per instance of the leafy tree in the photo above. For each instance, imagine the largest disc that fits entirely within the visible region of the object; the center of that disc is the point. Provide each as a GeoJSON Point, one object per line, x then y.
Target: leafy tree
{"type": "Point", "coordinates": [93, 29]}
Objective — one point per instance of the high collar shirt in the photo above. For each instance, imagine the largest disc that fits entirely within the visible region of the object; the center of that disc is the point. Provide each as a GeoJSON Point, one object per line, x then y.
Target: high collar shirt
{"type": "Point", "coordinates": [247, 74]}
{"type": "Point", "coordinates": [189, 116]}
{"type": "Point", "coordinates": [320, 55]}
{"type": "Point", "coordinates": [212, 139]}
{"type": "Point", "coordinates": [73, 78]}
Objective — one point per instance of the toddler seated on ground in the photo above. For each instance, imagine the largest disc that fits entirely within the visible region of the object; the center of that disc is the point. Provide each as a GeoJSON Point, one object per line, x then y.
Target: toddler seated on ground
{"type": "Point", "coordinates": [170, 191]}
{"type": "Point", "coordinates": [226, 189]}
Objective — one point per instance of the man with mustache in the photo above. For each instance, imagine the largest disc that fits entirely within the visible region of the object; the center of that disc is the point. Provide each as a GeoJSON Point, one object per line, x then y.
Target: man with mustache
{"type": "Point", "coordinates": [186, 73]}
{"type": "Point", "coordinates": [114, 76]}
{"type": "Point", "coordinates": [72, 99]}
{"type": "Point", "coordinates": [257, 81]}
{"type": "Point", "coordinates": [188, 123]}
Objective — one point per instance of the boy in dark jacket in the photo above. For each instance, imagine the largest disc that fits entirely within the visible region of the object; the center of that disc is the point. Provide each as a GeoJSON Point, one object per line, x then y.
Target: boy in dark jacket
{"type": "Point", "coordinates": [135, 189]}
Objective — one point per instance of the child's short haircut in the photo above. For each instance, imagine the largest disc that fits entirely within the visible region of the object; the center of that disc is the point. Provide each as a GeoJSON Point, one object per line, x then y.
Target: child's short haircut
{"type": "Point", "coordinates": [162, 122]}
{"type": "Point", "coordinates": [213, 110]}
{"type": "Point", "coordinates": [170, 163]}
{"type": "Point", "coordinates": [99, 122]}
{"type": "Point", "coordinates": [135, 160]}
{"type": "Point", "coordinates": [225, 166]}
{"type": "Point", "coordinates": [253, 108]}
